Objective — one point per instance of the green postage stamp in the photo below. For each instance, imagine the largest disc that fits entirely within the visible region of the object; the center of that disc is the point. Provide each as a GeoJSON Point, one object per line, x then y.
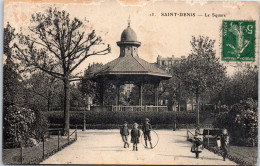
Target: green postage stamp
{"type": "Point", "coordinates": [238, 40]}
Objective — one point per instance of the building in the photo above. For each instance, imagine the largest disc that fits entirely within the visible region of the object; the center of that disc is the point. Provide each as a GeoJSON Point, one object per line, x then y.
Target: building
{"type": "Point", "coordinates": [167, 62]}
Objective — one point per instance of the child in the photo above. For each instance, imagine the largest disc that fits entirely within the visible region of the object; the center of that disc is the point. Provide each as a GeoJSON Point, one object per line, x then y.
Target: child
{"type": "Point", "coordinates": [135, 135]}
{"type": "Point", "coordinates": [147, 127]}
{"type": "Point", "coordinates": [224, 142]}
{"type": "Point", "coordinates": [124, 131]}
{"type": "Point", "coordinates": [197, 145]}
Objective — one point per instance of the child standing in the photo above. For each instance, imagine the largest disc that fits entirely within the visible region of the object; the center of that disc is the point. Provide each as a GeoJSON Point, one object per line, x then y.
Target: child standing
{"type": "Point", "coordinates": [135, 135]}
{"type": "Point", "coordinates": [124, 131]}
{"type": "Point", "coordinates": [224, 143]}
{"type": "Point", "coordinates": [147, 127]}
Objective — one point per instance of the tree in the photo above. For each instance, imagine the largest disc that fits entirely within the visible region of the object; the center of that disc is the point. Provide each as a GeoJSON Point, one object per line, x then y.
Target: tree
{"type": "Point", "coordinates": [13, 86]}
{"type": "Point", "coordinates": [57, 45]}
{"type": "Point", "coordinates": [89, 86]}
{"type": "Point", "coordinates": [12, 82]}
{"type": "Point", "coordinates": [43, 90]}
{"type": "Point", "coordinates": [203, 71]}
{"type": "Point", "coordinates": [241, 86]}
{"type": "Point", "coordinates": [176, 85]}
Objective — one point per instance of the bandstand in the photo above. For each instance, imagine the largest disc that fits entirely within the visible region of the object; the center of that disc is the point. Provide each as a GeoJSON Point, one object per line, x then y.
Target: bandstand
{"type": "Point", "coordinates": [129, 68]}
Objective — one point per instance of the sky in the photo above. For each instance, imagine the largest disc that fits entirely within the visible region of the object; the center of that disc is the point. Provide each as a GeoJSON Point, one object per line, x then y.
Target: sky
{"type": "Point", "coordinates": [168, 32]}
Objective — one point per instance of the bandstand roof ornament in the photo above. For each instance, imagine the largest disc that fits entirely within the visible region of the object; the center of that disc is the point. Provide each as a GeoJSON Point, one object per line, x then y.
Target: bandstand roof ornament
{"type": "Point", "coordinates": [130, 68]}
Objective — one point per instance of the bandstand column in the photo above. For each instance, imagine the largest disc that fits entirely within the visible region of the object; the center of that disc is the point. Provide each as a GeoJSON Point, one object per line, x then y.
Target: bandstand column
{"type": "Point", "coordinates": [117, 94]}
{"type": "Point", "coordinates": [156, 100]}
{"type": "Point", "coordinates": [102, 93]}
{"type": "Point", "coordinates": [141, 94]}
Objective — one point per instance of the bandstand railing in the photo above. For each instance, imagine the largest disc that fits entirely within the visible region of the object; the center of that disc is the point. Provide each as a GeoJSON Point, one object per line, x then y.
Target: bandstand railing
{"type": "Point", "coordinates": [140, 108]}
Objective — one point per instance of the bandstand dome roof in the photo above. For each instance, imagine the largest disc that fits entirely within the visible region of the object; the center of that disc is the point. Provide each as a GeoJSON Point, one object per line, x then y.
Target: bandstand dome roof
{"type": "Point", "coordinates": [128, 35]}
{"type": "Point", "coordinates": [130, 68]}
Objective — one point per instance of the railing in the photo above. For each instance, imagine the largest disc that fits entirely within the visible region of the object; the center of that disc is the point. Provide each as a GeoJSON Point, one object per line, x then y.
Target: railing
{"type": "Point", "coordinates": [140, 108]}
{"type": "Point", "coordinates": [193, 126]}
{"type": "Point", "coordinates": [62, 142]}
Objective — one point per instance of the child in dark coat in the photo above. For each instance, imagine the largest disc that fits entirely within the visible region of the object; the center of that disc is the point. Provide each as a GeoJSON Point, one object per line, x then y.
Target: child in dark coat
{"type": "Point", "coordinates": [224, 143]}
{"type": "Point", "coordinates": [124, 131]}
{"type": "Point", "coordinates": [135, 135]}
{"type": "Point", "coordinates": [147, 127]}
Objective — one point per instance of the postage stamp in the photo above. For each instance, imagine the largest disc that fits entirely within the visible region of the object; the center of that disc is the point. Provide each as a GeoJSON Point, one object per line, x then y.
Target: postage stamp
{"type": "Point", "coordinates": [238, 40]}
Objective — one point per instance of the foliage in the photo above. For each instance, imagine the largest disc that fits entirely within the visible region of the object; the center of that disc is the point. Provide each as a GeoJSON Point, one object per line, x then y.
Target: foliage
{"type": "Point", "coordinates": [13, 87]}
{"type": "Point", "coordinates": [89, 86]}
{"type": "Point", "coordinates": [197, 76]}
{"type": "Point", "coordinates": [241, 121]}
{"type": "Point", "coordinates": [109, 117]}
{"type": "Point", "coordinates": [148, 95]}
{"type": "Point", "coordinates": [176, 86]}
{"type": "Point", "coordinates": [241, 86]}
{"type": "Point", "coordinates": [43, 90]}
{"type": "Point", "coordinates": [19, 124]}
{"type": "Point", "coordinates": [202, 71]}
{"type": "Point", "coordinates": [57, 45]}
{"type": "Point", "coordinates": [12, 82]}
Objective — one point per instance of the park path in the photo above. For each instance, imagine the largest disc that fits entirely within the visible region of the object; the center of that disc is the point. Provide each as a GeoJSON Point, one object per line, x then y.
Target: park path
{"type": "Point", "coordinates": [105, 147]}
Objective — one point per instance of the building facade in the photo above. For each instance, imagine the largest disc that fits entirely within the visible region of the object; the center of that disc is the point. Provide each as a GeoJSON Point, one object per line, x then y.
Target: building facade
{"type": "Point", "coordinates": [167, 62]}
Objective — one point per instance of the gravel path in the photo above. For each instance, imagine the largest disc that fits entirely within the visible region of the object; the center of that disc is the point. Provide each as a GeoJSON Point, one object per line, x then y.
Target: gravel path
{"type": "Point", "coordinates": [105, 147]}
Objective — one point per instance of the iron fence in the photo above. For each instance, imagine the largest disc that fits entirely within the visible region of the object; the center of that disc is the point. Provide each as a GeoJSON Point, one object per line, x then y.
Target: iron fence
{"type": "Point", "coordinates": [140, 108]}
{"type": "Point", "coordinates": [51, 142]}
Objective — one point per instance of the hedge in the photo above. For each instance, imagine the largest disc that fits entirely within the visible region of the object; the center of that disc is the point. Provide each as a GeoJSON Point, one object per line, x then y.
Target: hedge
{"type": "Point", "coordinates": [109, 117]}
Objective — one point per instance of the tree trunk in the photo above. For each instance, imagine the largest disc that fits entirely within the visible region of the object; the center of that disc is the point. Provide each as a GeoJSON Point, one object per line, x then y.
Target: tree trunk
{"type": "Point", "coordinates": [48, 104]}
{"type": "Point", "coordinates": [198, 109]}
{"type": "Point", "coordinates": [66, 104]}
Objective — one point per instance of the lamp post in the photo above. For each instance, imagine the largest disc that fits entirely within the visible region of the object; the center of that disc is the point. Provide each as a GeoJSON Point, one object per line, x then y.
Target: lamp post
{"type": "Point", "coordinates": [84, 114]}
{"type": "Point", "coordinates": [174, 114]}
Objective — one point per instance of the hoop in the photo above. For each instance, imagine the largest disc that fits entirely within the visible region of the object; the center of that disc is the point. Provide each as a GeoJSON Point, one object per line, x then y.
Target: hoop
{"type": "Point", "coordinates": [142, 138]}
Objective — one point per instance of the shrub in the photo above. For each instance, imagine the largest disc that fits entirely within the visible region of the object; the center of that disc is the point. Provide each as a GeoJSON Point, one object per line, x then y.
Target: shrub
{"type": "Point", "coordinates": [22, 125]}
{"type": "Point", "coordinates": [247, 122]}
{"type": "Point", "coordinates": [242, 122]}
{"type": "Point", "coordinates": [40, 126]}
{"type": "Point", "coordinates": [18, 124]}
{"type": "Point", "coordinates": [109, 117]}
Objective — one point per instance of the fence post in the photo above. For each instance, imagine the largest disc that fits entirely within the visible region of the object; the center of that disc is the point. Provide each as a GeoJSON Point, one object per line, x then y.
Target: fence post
{"type": "Point", "coordinates": [84, 120]}
{"type": "Point", "coordinates": [59, 140]}
{"type": "Point", "coordinates": [76, 134]}
{"type": "Point", "coordinates": [187, 135]}
{"type": "Point", "coordinates": [43, 147]}
{"type": "Point", "coordinates": [21, 151]}
{"type": "Point", "coordinates": [208, 138]}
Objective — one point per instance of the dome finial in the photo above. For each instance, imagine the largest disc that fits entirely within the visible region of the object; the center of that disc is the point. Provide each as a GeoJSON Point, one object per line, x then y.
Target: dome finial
{"type": "Point", "coordinates": [129, 21]}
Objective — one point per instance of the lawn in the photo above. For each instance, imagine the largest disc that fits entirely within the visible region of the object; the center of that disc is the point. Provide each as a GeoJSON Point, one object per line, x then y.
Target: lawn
{"type": "Point", "coordinates": [33, 155]}
{"type": "Point", "coordinates": [240, 154]}
{"type": "Point", "coordinates": [248, 154]}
